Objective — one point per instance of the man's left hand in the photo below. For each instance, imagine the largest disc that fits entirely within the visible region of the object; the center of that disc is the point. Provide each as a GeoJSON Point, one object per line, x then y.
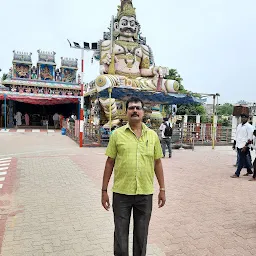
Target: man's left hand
{"type": "Point", "coordinates": [161, 199]}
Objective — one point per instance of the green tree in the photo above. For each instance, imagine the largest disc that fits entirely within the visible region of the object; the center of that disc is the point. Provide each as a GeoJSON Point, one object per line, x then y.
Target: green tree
{"type": "Point", "coordinates": [191, 110]}
{"type": "Point", "coordinates": [225, 110]}
{"type": "Point", "coordinates": [174, 75]}
{"type": "Point", "coordinates": [4, 77]}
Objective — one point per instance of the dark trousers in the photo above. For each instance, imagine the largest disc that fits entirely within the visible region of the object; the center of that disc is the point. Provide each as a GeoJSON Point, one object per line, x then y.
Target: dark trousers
{"type": "Point", "coordinates": [248, 159]}
{"type": "Point", "coordinates": [254, 168]}
{"type": "Point", "coordinates": [166, 142]}
{"type": "Point", "coordinates": [243, 162]}
{"type": "Point", "coordinates": [122, 207]}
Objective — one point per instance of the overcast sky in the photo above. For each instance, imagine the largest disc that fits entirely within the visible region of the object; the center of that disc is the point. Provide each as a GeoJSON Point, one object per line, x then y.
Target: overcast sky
{"type": "Point", "coordinates": [212, 43]}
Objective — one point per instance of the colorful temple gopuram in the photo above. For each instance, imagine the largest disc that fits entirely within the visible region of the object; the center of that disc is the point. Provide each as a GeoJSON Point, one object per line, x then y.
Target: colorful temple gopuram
{"type": "Point", "coordinates": [40, 90]}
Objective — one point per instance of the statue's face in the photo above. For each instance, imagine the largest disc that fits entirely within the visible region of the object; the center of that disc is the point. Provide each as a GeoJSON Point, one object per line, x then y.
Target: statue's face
{"type": "Point", "coordinates": [127, 26]}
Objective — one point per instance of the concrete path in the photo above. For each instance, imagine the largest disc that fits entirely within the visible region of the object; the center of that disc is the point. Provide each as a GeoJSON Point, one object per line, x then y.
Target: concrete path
{"type": "Point", "coordinates": [50, 202]}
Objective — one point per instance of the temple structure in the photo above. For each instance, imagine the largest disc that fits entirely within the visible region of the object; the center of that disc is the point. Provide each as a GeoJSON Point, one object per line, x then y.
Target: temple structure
{"type": "Point", "coordinates": [41, 85]}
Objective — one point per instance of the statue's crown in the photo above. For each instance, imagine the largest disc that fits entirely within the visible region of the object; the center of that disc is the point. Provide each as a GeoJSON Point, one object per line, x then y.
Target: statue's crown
{"type": "Point", "coordinates": [126, 9]}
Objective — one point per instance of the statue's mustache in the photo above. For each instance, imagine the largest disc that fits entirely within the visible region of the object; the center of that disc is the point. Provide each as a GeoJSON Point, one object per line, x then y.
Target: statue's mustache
{"type": "Point", "coordinates": [128, 30]}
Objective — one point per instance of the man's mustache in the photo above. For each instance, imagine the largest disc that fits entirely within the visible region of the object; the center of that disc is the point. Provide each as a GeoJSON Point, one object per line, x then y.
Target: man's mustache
{"type": "Point", "coordinates": [135, 114]}
{"type": "Point", "coordinates": [128, 30]}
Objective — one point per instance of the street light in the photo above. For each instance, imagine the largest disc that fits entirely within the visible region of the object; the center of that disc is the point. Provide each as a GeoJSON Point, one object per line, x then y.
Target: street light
{"type": "Point", "coordinates": [86, 47]}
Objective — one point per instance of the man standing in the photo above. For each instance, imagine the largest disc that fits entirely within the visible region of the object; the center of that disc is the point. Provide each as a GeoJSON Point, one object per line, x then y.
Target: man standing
{"type": "Point", "coordinates": [18, 118]}
{"type": "Point", "coordinates": [134, 152]}
{"type": "Point", "coordinates": [166, 136]}
{"type": "Point", "coordinates": [244, 134]}
{"type": "Point", "coordinates": [56, 120]}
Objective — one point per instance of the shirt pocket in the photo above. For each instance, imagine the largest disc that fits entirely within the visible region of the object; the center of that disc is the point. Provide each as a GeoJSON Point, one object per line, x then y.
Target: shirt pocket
{"type": "Point", "coordinates": [148, 149]}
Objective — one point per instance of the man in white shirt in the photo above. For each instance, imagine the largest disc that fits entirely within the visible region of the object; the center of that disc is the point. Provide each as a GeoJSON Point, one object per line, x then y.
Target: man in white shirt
{"type": "Point", "coordinates": [244, 136]}
{"type": "Point", "coordinates": [166, 136]}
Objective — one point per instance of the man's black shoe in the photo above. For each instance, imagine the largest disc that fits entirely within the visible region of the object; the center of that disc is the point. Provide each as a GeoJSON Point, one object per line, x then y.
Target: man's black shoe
{"type": "Point", "coordinates": [247, 174]}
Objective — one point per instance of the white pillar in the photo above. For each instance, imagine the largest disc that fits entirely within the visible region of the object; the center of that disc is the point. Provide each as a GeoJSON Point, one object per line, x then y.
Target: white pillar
{"type": "Point", "coordinates": [198, 120]}
{"type": "Point", "coordinates": [185, 120]}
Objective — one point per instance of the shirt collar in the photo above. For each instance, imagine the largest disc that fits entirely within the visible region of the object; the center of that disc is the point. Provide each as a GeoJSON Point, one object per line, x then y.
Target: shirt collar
{"type": "Point", "coordinates": [144, 128]}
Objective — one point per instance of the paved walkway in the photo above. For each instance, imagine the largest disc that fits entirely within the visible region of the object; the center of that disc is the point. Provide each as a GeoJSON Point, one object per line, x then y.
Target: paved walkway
{"type": "Point", "coordinates": [27, 130]}
{"type": "Point", "coordinates": [50, 204]}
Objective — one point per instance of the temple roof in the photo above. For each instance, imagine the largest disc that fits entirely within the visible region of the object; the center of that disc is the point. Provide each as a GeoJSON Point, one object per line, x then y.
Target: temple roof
{"type": "Point", "coordinates": [39, 99]}
{"type": "Point", "coordinates": [40, 83]}
{"type": "Point", "coordinates": [46, 58]}
{"type": "Point", "coordinates": [152, 97]}
{"type": "Point", "coordinates": [69, 63]}
{"type": "Point", "coordinates": [22, 57]}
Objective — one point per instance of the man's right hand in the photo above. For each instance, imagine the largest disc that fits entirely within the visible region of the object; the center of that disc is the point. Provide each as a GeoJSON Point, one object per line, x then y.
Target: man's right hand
{"type": "Point", "coordinates": [244, 149]}
{"type": "Point", "coordinates": [105, 200]}
{"type": "Point", "coordinates": [234, 145]}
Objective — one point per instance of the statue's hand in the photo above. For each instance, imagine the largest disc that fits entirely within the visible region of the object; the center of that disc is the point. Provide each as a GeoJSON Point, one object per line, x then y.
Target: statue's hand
{"type": "Point", "coordinates": [160, 71]}
{"type": "Point", "coordinates": [106, 59]}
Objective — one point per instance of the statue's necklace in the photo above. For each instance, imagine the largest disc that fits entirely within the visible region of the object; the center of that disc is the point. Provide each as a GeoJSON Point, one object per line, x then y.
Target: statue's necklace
{"type": "Point", "coordinates": [129, 49]}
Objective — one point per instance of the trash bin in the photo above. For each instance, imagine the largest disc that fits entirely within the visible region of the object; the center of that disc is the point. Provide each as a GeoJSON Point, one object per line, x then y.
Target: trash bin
{"type": "Point", "coordinates": [63, 131]}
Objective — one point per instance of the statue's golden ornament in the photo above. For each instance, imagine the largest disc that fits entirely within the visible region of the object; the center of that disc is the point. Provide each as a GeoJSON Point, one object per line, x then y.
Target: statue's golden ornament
{"type": "Point", "coordinates": [101, 81]}
{"type": "Point", "coordinates": [145, 63]}
{"type": "Point", "coordinates": [126, 9]}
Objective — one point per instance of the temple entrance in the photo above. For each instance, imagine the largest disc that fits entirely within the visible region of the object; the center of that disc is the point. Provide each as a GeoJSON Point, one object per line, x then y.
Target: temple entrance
{"type": "Point", "coordinates": [39, 114]}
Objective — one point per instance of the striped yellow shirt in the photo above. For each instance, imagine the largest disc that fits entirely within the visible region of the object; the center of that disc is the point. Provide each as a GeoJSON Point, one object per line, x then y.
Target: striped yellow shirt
{"type": "Point", "coordinates": [134, 160]}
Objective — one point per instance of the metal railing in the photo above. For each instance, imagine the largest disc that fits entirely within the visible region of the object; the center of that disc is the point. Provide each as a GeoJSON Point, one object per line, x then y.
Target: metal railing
{"type": "Point", "coordinates": [191, 134]}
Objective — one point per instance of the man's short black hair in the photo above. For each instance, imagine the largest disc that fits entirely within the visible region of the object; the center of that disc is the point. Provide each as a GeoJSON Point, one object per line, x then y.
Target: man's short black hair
{"type": "Point", "coordinates": [134, 99]}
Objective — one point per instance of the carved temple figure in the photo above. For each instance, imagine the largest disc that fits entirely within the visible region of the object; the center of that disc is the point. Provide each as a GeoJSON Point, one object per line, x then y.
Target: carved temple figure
{"type": "Point", "coordinates": [46, 73]}
{"type": "Point", "coordinates": [133, 59]}
{"type": "Point", "coordinates": [69, 76]}
{"type": "Point", "coordinates": [33, 73]}
{"type": "Point", "coordinates": [22, 71]}
{"type": "Point", "coordinates": [58, 75]}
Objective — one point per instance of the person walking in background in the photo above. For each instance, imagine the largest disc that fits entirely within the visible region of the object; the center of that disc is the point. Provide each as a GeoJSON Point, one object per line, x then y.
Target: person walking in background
{"type": "Point", "coordinates": [18, 118]}
{"type": "Point", "coordinates": [61, 117]}
{"type": "Point", "coordinates": [134, 152]}
{"type": "Point", "coordinates": [148, 123]}
{"type": "Point", "coordinates": [27, 119]}
{"type": "Point", "coordinates": [244, 136]}
{"type": "Point", "coordinates": [254, 162]}
{"type": "Point", "coordinates": [166, 136]}
{"type": "Point", "coordinates": [56, 120]}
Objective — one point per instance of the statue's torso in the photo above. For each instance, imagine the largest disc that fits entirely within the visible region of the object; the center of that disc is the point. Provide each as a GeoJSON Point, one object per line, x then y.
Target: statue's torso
{"type": "Point", "coordinates": [129, 55]}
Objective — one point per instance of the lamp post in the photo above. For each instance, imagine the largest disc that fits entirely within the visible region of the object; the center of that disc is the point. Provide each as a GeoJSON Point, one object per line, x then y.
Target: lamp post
{"type": "Point", "coordinates": [86, 47]}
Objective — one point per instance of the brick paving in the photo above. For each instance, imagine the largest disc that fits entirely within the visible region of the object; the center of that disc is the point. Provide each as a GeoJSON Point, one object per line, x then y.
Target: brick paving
{"type": "Point", "coordinates": [54, 205]}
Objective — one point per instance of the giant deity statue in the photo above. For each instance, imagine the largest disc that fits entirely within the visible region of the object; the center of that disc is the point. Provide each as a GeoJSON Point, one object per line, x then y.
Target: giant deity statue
{"type": "Point", "coordinates": [126, 59]}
